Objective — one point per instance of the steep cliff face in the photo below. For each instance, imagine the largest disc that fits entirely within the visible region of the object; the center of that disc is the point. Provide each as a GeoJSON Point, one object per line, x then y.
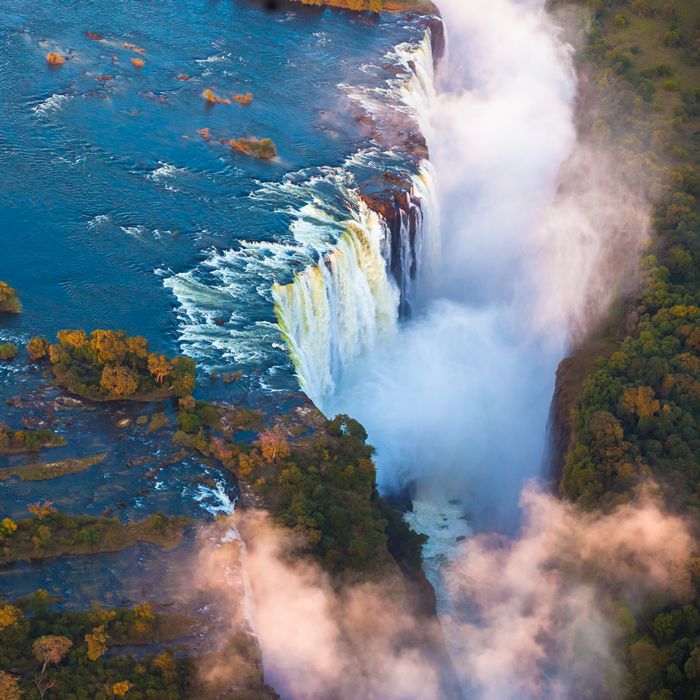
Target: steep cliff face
{"type": "Point", "coordinates": [571, 375]}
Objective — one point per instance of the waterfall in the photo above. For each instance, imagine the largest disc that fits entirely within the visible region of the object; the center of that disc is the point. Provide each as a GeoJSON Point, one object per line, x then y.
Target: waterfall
{"type": "Point", "coordinates": [333, 312]}
{"type": "Point", "coordinates": [338, 310]}
{"type": "Point", "coordinates": [216, 500]}
{"type": "Point", "coordinates": [415, 246]}
{"type": "Point", "coordinates": [418, 92]}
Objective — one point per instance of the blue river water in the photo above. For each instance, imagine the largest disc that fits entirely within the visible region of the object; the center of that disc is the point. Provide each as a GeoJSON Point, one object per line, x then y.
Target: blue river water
{"type": "Point", "coordinates": [118, 210]}
{"type": "Point", "coordinates": [115, 211]}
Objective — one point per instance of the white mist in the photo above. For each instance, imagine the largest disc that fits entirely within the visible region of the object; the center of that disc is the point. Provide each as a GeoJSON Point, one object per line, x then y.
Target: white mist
{"type": "Point", "coordinates": [458, 402]}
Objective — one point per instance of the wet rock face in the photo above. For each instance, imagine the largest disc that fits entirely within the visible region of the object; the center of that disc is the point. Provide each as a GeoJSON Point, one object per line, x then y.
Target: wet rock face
{"type": "Point", "coordinates": [404, 225]}
{"type": "Point", "coordinates": [438, 39]}
{"type": "Point", "coordinates": [559, 427]}
{"type": "Point", "coordinates": [393, 200]}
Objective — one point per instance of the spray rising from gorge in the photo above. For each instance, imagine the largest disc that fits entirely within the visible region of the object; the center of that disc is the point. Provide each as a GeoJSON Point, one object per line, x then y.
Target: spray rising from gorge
{"type": "Point", "coordinates": [524, 239]}
{"type": "Point", "coordinates": [533, 236]}
{"type": "Point", "coordinates": [461, 392]}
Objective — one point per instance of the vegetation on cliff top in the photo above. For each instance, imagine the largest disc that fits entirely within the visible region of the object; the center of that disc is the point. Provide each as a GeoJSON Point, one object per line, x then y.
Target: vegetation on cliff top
{"type": "Point", "coordinates": [108, 366]}
{"type": "Point", "coordinates": [638, 413]}
{"type": "Point", "coordinates": [377, 5]}
{"type": "Point", "coordinates": [317, 478]}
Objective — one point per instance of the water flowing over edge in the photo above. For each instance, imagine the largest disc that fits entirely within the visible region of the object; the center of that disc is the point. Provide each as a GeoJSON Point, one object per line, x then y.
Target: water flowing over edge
{"type": "Point", "coordinates": [336, 311]}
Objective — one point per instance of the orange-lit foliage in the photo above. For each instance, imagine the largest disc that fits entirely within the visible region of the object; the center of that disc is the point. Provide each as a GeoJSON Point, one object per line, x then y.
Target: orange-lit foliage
{"type": "Point", "coordinates": [41, 509]}
{"type": "Point", "coordinates": [94, 36]}
{"type": "Point", "coordinates": [159, 366]}
{"type": "Point", "coordinates": [122, 688]}
{"type": "Point", "coordinates": [55, 59]}
{"type": "Point", "coordinates": [273, 444]}
{"type": "Point", "coordinates": [96, 643]}
{"type": "Point", "coordinates": [244, 99]}
{"type": "Point", "coordinates": [119, 380]}
{"type": "Point", "coordinates": [9, 687]}
{"type": "Point", "coordinates": [213, 99]}
{"type": "Point", "coordinates": [263, 149]}
{"type": "Point", "coordinates": [376, 5]}
{"type": "Point", "coordinates": [182, 77]}
{"type": "Point", "coordinates": [71, 338]}
{"type": "Point", "coordinates": [133, 47]}
{"type": "Point", "coordinates": [165, 663]}
{"type": "Point", "coordinates": [9, 302]}
{"type": "Point", "coordinates": [204, 132]}
{"type": "Point", "coordinates": [51, 649]}
{"type": "Point", "coordinates": [109, 345]}
{"type": "Point", "coordinates": [138, 62]}
{"type": "Point", "coordinates": [137, 345]}
{"type": "Point", "coordinates": [109, 365]}
{"type": "Point", "coordinates": [37, 348]}
{"type": "Point", "coordinates": [10, 616]}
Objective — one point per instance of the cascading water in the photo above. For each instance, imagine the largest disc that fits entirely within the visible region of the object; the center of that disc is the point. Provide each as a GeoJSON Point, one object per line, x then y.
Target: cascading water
{"type": "Point", "coordinates": [332, 313]}
{"type": "Point", "coordinates": [335, 312]}
{"type": "Point", "coordinates": [216, 500]}
{"type": "Point", "coordinates": [414, 253]}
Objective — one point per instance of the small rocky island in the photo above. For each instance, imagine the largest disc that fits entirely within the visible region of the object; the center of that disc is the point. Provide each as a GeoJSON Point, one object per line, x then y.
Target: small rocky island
{"type": "Point", "coordinates": [109, 366]}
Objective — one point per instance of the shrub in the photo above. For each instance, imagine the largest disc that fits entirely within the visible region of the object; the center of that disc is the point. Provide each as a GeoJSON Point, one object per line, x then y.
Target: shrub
{"type": "Point", "coordinates": [37, 349]}
{"type": "Point", "coordinates": [8, 351]}
{"type": "Point", "coordinates": [9, 301]}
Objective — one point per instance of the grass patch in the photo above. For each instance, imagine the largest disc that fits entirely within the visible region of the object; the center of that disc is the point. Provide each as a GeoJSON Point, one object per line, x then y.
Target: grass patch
{"type": "Point", "coordinates": [58, 534]}
{"type": "Point", "coordinates": [51, 470]}
{"type": "Point", "coordinates": [19, 441]}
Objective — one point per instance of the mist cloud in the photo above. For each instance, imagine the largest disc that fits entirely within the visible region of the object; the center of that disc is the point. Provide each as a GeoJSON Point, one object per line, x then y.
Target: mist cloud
{"type": "Point", "coordinates": [319, 641]}
{"type": "Point", "coordinates": [459, 401]}
{"type": "Point", "coordinates": [532, 617]}
{"type": "Point", "coordinates": [350, 643]}
{"type": "Point", "coordinates": [538, 237]}
{"type": "Point", "coordinates": [537, 616]}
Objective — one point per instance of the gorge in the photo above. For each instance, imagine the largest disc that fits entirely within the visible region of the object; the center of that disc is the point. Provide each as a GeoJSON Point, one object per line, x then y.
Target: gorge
{"type": "Point", "coordinates": [406, 407]}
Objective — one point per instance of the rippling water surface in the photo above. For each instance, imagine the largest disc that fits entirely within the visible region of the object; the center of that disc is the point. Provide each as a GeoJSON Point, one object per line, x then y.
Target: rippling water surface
{"type": "Point", "coordinates": [116, 212]}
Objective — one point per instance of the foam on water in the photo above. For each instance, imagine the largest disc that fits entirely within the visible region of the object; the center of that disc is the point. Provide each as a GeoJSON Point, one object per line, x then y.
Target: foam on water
{"type": "Point", "coordinates": [215, 499]}
{"type": "Point", "coordinates": [50, 104]}
{"type": "Point", "coordinates": [336, 249]}
{"type": "Point", "coordinates": [165, 170]}
{"type": "Point", "coordinates": [97, 222]}
{"type": "Point", "coordinates": [447, 527]}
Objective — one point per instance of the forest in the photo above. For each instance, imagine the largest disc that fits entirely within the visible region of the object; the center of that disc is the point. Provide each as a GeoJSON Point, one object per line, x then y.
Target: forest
{"type": "Point", "coordinates": [637, 418]}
